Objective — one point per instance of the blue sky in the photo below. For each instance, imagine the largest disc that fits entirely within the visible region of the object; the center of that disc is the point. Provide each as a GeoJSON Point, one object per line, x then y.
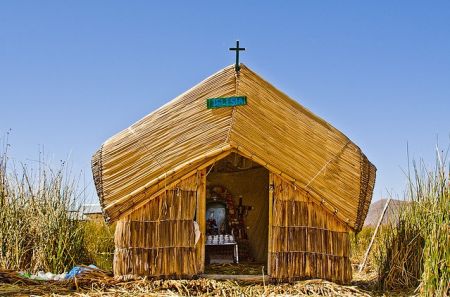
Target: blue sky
{"type": "Point", "coordinates": [73, 73]}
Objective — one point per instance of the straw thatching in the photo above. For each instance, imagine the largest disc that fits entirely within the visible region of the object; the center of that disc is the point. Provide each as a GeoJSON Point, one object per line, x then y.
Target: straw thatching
{"type": "Point", "coordinates": [151, 178]}
{"type": "Point", "coordinates": [272, 129]}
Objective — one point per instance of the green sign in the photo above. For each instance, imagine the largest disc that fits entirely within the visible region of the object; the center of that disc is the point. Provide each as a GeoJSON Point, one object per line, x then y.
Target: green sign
{"type": "Point", "coordinates": [226, 102]}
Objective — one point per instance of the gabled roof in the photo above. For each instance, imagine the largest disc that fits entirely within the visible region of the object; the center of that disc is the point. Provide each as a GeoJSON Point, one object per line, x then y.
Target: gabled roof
{"type": "Point", "coordinates": [272, 129]}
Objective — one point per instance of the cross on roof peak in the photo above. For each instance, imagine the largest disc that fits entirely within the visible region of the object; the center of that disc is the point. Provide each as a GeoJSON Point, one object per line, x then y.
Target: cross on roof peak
{"type": "Point", "coordinates": [237, 49]}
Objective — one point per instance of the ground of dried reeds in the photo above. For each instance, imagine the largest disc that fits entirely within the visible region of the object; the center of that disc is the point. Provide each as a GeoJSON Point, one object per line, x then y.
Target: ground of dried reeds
{"type": "Point", "coordinates": [99, 283]}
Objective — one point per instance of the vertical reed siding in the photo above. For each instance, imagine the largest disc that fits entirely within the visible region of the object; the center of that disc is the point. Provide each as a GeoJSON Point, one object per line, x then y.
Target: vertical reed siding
{"type": "Point", "coordinates": [307, 241]}
{"type": "Point", "coordinates": [158, 239]}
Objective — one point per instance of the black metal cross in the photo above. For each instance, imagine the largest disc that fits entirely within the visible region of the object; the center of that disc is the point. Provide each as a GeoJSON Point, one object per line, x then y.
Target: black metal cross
{"type": "Point", "coordinates": [237, 49]}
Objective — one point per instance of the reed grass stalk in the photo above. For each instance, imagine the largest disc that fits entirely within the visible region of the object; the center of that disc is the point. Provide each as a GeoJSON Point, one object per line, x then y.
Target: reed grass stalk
{"type": "Point", "coordinates": [39, 217]}
{"type": "Point", "coordinates": [416, 251]}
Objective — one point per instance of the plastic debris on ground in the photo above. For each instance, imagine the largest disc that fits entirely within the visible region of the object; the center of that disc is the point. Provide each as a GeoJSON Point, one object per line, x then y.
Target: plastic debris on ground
{"type": "Point", "coordinates": [48, 276]}
{"type": "Point", "coordinates": [79, 269]}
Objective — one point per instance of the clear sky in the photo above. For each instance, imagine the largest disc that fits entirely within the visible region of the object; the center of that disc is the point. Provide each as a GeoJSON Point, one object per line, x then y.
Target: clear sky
{"type": "Point", "coordinates": [73, 73]}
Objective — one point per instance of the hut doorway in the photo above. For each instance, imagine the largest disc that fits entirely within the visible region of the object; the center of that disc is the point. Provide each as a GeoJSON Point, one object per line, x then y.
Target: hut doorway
{"type": "Point", "coordinates": [237, 216]}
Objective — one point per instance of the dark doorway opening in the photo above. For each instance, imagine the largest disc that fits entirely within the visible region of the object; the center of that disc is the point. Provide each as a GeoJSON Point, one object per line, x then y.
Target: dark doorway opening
{"type": "Point", "coordinates": [237, 216]}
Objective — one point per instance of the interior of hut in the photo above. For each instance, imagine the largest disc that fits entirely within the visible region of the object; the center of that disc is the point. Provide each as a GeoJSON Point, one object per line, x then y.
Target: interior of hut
{"type": "Point", "coordinates": [237, 215]}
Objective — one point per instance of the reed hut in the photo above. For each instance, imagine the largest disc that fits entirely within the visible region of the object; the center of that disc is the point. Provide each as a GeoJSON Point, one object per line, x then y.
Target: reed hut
{"type": "Point", "coordinates": [298, 185]}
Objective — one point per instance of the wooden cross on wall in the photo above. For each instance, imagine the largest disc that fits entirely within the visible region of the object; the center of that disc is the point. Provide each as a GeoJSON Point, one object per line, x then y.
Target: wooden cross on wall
{"type": "Point", "coordinates": [237, 49]}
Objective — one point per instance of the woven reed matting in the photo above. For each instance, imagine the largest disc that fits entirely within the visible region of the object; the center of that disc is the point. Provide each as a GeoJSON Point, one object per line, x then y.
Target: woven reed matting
{"type": "Point", "coordinates": [307, 241]}
{"type": "Point", "coordinates": [158, 238]}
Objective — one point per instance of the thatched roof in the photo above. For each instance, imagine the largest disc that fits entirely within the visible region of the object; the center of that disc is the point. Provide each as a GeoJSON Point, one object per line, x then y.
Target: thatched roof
{"type": "Point", "coordinates": [173, 141]}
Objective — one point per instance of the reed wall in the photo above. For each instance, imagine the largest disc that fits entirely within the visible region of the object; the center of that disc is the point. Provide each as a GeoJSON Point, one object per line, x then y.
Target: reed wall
{"type": "Point", "coordinates": [306, 240]}
{"type": "Point", "coordinates": [158, 239]}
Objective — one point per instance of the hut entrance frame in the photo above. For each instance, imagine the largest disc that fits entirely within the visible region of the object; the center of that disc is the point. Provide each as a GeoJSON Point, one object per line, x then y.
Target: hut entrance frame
{"type": "Point", "coordinates": [236, 204]}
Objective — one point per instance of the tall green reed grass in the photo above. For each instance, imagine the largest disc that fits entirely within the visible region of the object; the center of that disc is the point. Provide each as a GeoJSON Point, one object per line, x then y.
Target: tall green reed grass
{"type": "Point", "coordinates": [359, 243]}
{"type": "Point", "coordinates": [39, 218]}
{"type": "Point", "coordinates": [99, 243]}
{"type": "Point", "coordinates": [416, 251]}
